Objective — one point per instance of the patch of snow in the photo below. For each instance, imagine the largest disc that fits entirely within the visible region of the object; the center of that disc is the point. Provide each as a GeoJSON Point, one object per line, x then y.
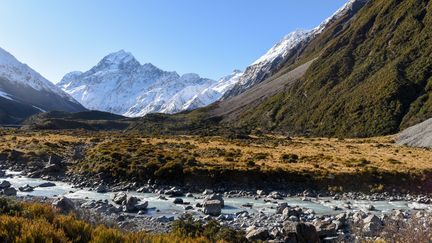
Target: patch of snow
{"type": "Point", "coordinates": [6, 95]}
{"type": "Point", "coordinates": [42, 110]}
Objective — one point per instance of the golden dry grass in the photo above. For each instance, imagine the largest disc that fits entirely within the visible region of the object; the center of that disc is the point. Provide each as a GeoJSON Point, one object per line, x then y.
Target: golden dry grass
{"type": "Point", "coordinates": [315, 154]}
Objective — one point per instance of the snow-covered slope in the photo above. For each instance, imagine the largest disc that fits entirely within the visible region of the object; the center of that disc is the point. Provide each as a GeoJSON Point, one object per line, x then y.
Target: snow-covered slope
{"type": "Point", "coordinates": [121, 85]}
{"type": "Point", "coordinates": [215, 92]}
{"type": "Point", "coordinates": [24, 92]}
{"type": "Point", "coordinates": [270, 62]}
{"type": "Point", "coordinates": [21, 74]}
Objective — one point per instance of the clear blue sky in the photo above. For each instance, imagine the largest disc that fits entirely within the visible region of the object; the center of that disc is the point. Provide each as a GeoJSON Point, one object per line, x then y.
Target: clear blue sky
{"type": "Point", "coordinates": [209, 37]}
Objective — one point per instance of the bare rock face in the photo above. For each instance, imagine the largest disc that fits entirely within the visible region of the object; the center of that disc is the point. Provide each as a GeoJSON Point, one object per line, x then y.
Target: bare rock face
{"type": "Point", "coordinates": [419, 135]}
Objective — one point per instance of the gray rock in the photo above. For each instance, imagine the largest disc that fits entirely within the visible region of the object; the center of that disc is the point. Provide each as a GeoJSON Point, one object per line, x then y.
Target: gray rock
{"type": "Point", "coordinates": [10, 191]}
{"type": "Point", "coordinates": [372, 219]}
{"type": "Point", "coordinates": [5, 184]}
{"type": "Point", "coordinates": [178, 201]}
{"type": "Point", "coordinates": [260, 193]}
{"type": "Point", "coordinates": [275, 195]}
{"type": "Point", "coordinates": [130, 204]}
{"type": "Point", "coordinates": [293, 218]}
{"type": "Point", "coordinates": [212, 207]}
{"type": "Point", "coordinates": [102, 188]}
{"type": "Point", "coordinates": [189, 207]}
{"type": "Point", "coordinates": [141, 206]}
{"type": "Point", "coordinates": [325, 229]}
{"type": "Point", "coordinates": [64, 205]}
{"type": "Point", "coordinates": [119, 198]}
{"type": "Point", "coordinates": [207, 192]}
{"type": "Point", "coordinates": [372, 225]}
{"type": "Point", "coordinates": [280, 208]}
{"type": "Point", "coordinates": [143, 189]}
{"type": "Point", "coordinates": [47, 184]}
{"type": "Point", "coordinates": [175, 192]}
{"type": "Point", "coordinates": [26, 188]}
{"type": "Point", "coordinates": [189, 194]}
{"type": "Point", "coordinates": [257, 234]}
{"type": "Point", "coordinates": [215, 196]}
{"type": "Point", "coordinates": [370, 207]}
{"type": "Point", "coordinates": [302, 232]}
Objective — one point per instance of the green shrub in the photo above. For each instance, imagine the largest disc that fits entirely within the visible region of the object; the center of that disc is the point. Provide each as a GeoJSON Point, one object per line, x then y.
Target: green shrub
{"type": "Point", "coordinates": [290, 158]}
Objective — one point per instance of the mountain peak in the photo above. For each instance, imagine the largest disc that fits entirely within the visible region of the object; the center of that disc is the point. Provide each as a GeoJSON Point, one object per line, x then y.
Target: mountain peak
{"type": "Point", "coordinates": [289, 42]}
{"type": "Point", "coordinates": [119, 57]}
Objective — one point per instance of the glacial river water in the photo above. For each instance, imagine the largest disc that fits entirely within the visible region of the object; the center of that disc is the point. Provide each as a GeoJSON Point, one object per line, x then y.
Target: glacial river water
{"type": "Point", "coordinates": [322, 206]}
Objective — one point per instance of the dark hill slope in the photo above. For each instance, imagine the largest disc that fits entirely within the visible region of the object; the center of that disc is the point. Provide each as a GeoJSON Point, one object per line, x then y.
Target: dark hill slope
{"type": "Point", "coordinates": [372, 79]}
{"type": "Point", "coordinates": [88, 120]}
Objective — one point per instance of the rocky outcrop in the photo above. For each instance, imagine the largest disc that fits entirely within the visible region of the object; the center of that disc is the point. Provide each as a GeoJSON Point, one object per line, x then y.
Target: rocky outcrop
{"type": "Point", "coordinates": [64, 205]}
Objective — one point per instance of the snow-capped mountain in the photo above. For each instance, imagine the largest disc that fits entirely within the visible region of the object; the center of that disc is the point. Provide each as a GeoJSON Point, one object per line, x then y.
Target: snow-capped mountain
{"type": "Point", "coordinates": [215, 92]}
{"type": "Point", "coordinates": [270, 62]}
{"type": "Point", "coordinates": [121, 85]}
{"type": "Point", "coordinates": [24, 92]}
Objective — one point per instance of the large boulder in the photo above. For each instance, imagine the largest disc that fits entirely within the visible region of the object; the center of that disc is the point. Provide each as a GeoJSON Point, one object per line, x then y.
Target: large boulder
{"type": "Point", "coordinates": [10, 191]}
{"type": "Point", "coordinates": [325, 229]}
{"type": "Point", "coordinates": [215, 196]}
{"type": "Point", "coordinates": [130, 204]}
{"type": "Point", "coordinates": [178, 201]}
{"type": "Point", "coordinates": [174, 192]}
{"type": "Point", "coordinates": [281, 207]}
{"type": "Point", "coordinates": [5, 184]}
{"type": "Point", "coordinates": [119, 198]}
{"type": "Point", "coordinates": [258, 234]}
{"type": "Point", "coordinates": [212, 207]}
{"type": "Point", "coordinates": [101, 188]}
{"type": "Point", "coordinates": [372, 225]}
{"type": "Point", "coordinates": [26, 188]}
{"type": "Point", "coordinates": [64, 205]}
{"type": "Point", "coordinates": [47, 184]}
{"type": "Point", "coordinates": [300, 232]}
{"type": "Point", "coordinates": [141, 206]}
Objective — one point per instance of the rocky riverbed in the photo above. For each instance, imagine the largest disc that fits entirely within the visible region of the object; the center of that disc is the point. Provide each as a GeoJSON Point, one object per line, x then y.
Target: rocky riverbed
{"type": "Point", "coordinates": [262, 215]}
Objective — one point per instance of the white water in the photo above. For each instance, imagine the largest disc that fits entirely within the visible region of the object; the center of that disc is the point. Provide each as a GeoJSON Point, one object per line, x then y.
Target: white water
{"type": "Point", "coordinates": [232, 205]}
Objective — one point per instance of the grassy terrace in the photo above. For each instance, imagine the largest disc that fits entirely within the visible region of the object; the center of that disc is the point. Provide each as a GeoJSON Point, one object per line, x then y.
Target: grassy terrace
{"type": "Point", "coordinates": [374, 164]}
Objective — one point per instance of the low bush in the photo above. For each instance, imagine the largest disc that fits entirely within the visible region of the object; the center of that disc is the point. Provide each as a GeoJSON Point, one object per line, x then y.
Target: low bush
{"type": "Point", "coordinates": [290, 158]}
{"type": "Point", "coordinates": [35, 222]}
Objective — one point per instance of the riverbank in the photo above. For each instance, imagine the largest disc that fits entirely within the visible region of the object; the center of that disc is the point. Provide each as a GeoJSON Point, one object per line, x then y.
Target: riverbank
{"type": "Point", "coordinates": [262, 215]}
{"type": "Point", "coordinates": [293, 165]}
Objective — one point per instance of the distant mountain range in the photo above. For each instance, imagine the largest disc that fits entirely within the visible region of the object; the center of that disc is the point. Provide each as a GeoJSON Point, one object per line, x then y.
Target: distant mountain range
{"type": "Point", "coordinates": [24, 92]}
{"type": "Point", "coordinates": [121, 85]}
